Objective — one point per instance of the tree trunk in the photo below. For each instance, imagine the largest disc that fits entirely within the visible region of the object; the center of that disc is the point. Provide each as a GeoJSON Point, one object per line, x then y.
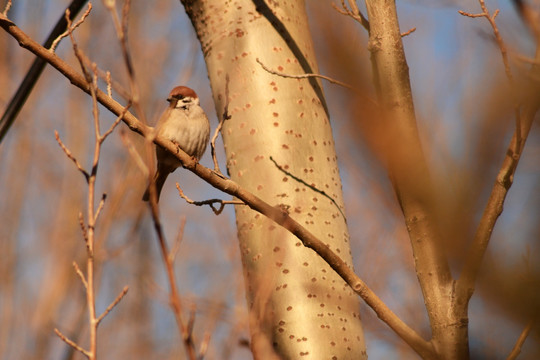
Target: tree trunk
{"type": "Point", "coordinates": [279, 146]}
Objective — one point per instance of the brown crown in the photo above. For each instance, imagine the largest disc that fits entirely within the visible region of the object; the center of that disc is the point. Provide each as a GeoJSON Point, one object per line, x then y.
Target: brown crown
{"type": "Point", "coordinates": [181, 92]}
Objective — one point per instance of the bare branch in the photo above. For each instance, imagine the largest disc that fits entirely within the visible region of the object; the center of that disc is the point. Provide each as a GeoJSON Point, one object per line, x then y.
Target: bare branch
{"type": "Point", "coordinates": [70, 28]}
{"type": "Point", "coordinates": [81, 275]}
{"type": "Point", "coordinates": [191, 320]}
{"type": "Point", "coordinates": [354, 12]}
{"type": "Point", "coordinates": [304, 76]}
{"type": "Point", "coordinates": [100, 206]}
{"type": "Point", "coordinates": [209, 202]}
{"type": "Point", "coordinates": [121, 33]}
{"type": "Point", "coordinates": [312, 187]}
{"type": "Point", "coordinates": [505, 176]}
{"type": "Point", "coordinates": [410, 31]}
{"type": "Point", "coordinates": [520, 341]}
{"type": "Point", "coordinates": [504, 54]}
{"type": "Point", "coordinates": [117, 121]}
{"type": "Point", "coordinates": [179, 238]}
{"type": "Point", "coordinates": [204, 344]}
{"type": "Point", "coordinates": [6, 9]}
{"type": "Point", "coordinates": [106, 76]}
{"type": "Point", "coordinates": [71, 343]}
{"type": "Point", "coordinates": [223, 118]}
{"type": "Point", "coordinates": [174, 297]}
{"type": "Point", "coordinates": [92, 214]}
{"type": "Point", "coordinates": [134, 154]}
{"type": "Point", "coordinates": [471, 15]}
{"type": "Point", "coordinates": [113, 304]}
{"type": "Point", "coordinates": [213, 144]}
{"type": "Point", "coordinates": [109, 84]}
{"type": "Point", "coordinates": [83, 227]}
{"type": "Point", "coordinates": [71, 157]}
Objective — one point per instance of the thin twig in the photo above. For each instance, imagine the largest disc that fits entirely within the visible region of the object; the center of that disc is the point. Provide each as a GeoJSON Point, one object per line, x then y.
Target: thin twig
{"type": "Point", "coordinates": [178, 241]}
{"type": "Point", "coordinates": [410, 31]}
{"type": "Point", "coordinates": [204, 344]}
{"type": "Point", "coordinates": [516, 350]}
{"type": "Point", "coordinates": [304, 76]}
{"type": "Point", "coordinates": [134, 153]}
{"type": "Point", "coordinates": [100, 206]}
{"type": "Point", "coordinates": [108, 80]}
{"type": "Point", "coordinates": [224, 117]}
{"type": "Point", "coordinates": [71, 343]}
{"type": "Point", "coordinates": [113, 304]}
{"type": "Point", "coordinates": [504, 54]}
{"type": "Point", "coordinates": [80, 274]}
{"type": "Point", "coordinates": [116, 122]}
{"type": "Point", "coordinates": [83, 227]}
{"type": "Point", "coordinates": [191, 319]}
{"type": "Point", "coordinates": [216, 310]}
{"type": "Point", "coordinates": [354, 12]}
{"type": "Point", "coordinates": [6, 9]}
{"type": "Point", "coordinates": [527, 60]}
{"type": "Point", "coordinates": [312, 187]}
{"type": "Point", "coordinates": [92, 214]}
{"type": "Point", "coordinates": [76, 25]}
{"type": "Point", "coordinates": [111, 83]}
{"type": "Point", "coordinates": [70, 156]}
{"type": "Point", "coordinates": [174, 297]}
{"type": "Point", "coordinates": [470, 14]}
{"type": "Point", "coordinates": [209, 202]}
{"type": "Point", "coordinates": [121, 33]}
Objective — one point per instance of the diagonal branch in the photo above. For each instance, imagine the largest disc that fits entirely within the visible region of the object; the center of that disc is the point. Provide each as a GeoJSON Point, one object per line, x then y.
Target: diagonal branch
{"type": "Point", "coordinates": [70, 27]}
{"type": "Point", "coordinates": [17, 101]}
{"type": "Point", "coordinates": [70, 155]}
{"type": "Point", "coordinates": [494, 206]}
{"type": "Point", "coordinates": [505, 177]}
{"type": "Point", "coordinates": [504, 54]}
{"type": "Point", "coordinates": [303, 182]}
{"type": "Point", "coordinates": [353, 12]}
{"type": "Point", "coordinates": [72, 343]}
{"type": "Point", "coordinates": [113, 304]}
{"type": "Point", "coordinates": [303, 76]}
{"type": "Point", "coordinates": [516, 350]}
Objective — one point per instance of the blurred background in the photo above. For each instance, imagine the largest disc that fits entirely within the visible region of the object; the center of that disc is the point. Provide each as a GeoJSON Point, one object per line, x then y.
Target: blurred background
{"type": "Point", "coordinates": [465, 117]}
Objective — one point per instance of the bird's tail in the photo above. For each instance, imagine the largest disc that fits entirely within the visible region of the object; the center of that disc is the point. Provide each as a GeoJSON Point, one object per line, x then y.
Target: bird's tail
{"type": "Point", "coordinates": [159, 180]}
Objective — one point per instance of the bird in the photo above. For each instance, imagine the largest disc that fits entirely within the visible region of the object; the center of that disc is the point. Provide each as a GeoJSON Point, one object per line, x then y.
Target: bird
{"type": "Point", "coordinates": [185, 123]}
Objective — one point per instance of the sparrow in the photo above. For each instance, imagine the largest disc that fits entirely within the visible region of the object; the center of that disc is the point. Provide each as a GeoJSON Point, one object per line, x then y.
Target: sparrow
{"type": "Point", "coordinates": [184, 123]}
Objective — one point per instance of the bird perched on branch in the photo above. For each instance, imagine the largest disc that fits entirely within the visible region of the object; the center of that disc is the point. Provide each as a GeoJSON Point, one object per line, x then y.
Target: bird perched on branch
{"type": "Point", "coordinates": [185, 123]}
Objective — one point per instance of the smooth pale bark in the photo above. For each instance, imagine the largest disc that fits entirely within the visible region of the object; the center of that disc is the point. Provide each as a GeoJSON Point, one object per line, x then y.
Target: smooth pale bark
{"type": "Point", "coordinates": [411, 181]}
{"type": "Point", "coordinates": [299, 308]}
